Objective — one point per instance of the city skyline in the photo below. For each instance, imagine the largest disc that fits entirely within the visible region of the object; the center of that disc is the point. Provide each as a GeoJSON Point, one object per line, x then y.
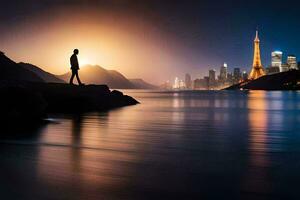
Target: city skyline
{"type": "Point", "coordinates": [258, 69]}
{"type": "Point", "coordinates": [138, 38]}
{"type": "Point", "coordinates": [227, 78]}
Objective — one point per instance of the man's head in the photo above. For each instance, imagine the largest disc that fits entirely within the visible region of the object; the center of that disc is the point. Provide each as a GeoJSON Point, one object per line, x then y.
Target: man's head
{"type": "Point", "coordinates": [76, 51]}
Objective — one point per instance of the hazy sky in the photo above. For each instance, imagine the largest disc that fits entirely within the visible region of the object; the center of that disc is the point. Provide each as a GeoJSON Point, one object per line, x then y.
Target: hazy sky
{"type": "Point", "coordinates": [150, 39]}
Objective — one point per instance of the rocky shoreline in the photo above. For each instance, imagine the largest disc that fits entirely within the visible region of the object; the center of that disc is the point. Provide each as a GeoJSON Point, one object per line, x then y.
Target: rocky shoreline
{"type": "Point", "coordinates": [31, 101]}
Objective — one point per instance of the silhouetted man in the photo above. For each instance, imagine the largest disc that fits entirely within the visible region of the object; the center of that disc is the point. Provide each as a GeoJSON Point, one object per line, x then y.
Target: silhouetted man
{"type": "Point", "coordinates": [75, 67]}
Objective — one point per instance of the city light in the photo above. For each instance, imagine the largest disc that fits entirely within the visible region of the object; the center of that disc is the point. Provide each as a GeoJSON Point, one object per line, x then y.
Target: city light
{"type": "Point", "coordinates": [225, 78]}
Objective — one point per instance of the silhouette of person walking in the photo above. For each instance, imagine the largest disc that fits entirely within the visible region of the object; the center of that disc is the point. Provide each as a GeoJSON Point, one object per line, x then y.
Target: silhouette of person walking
{"type": "Point", "coordinates": [75, 67]}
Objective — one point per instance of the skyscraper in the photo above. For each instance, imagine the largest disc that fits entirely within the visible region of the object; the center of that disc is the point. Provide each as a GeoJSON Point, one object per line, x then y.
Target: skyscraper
{"type": "Point", "coordinates": [223, 73]}
{"type": "Point", "coordinates": [257, 68]}
{"type": "Point", "coordinates": [212, 78]}
{"type": "Point", "coordinates": [188, 81]}
{"type": "Point", "coordinates": [176, 83]}
{"type": "Point", "coordinates": [276, 59]}
{"type": "Point", "coordinates": [274, 70]}
{"type": "Point", "coordinates": [292, 62]}
{"type": "Point", "coordinates": [206, 82]}
{"type": "Point", "coordinates": [244, 75]}
{"type": "Point", "coordinates": [212, 75]}
{"type": "Point", "coordinates": [182, 84]}
{"type": "Point", "coordinates": [237, 75]}
{"type": "Point", "coordinates": [230, 78]}
{"type": "Point", "coordinates": [285, 67]}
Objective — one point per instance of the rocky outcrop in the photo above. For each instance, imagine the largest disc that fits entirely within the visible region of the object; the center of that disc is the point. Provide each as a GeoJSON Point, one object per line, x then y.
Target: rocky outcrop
{"type": "Point", "coordinates": [30, 101]}
{"type": "Point", "coordinates": [26, 97]}
{"type": "Point", "coordinates": [18, 104]}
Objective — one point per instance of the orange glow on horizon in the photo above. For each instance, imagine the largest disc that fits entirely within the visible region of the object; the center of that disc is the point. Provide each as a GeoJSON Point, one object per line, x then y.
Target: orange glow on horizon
{"type": "Point", "coordinates": [125, 43]}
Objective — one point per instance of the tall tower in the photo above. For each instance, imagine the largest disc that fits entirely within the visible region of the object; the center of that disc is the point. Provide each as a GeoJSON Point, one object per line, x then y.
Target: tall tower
{"type": "Point", "coordinates": [257, 68]}
{"type": "Point", "coordinates": [223, 73]}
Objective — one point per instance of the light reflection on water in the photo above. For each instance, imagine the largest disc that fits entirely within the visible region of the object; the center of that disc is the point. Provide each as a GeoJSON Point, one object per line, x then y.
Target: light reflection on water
{"type": "Point", "coordinates": [182, 144]}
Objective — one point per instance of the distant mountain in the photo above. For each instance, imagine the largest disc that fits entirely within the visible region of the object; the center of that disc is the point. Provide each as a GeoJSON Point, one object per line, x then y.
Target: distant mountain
{"type": "Point", "coordinates": [46, 76]}
{"type": "Point", "coordinates": [89, 74]}
{"type": "Point", "coordinates": [10, 70]}
{"type": "Point", "coordinates": [94, 74]}
{"type": "Point", "coordinates": [141, 84]}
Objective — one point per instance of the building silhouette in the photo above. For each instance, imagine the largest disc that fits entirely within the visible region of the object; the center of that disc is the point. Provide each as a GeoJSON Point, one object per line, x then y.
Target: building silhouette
{"type": "Point", "coordinates": [284, 67]}
{"type": "Point", "coordinates": [212, 75]}
{"type": "Point", "coordinates": [276, 59]}
{"type": "Point", "coordinates": [188, 81]}
{"type": "Point", "coordinates": [237, 76]}
{"type": "Point", "coordinates": [206, 82]}
{"type": "Point", "coordinates": [176, 83]}
{"type": "Point", "coordinates": [212, 78]}
{"type": "Point", "coordinates": [182, 84]}
{"type": "Point", "coordinates": [223, 73]}
{"type": "Point", "coordinates": [245, 76]}
{"type": "Point", "coordinates": [257, 68]}
{"type": "Point", "coordinates": [273, 70]}
{"type": "Point", "coordinates": [277, 65]}
{"type": "Point", "coordinates": [292, 62]}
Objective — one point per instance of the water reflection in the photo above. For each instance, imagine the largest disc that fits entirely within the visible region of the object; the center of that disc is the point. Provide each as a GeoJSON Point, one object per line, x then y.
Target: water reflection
{"type": "Point", "coordinates": [90, 162]}
{"type": "Point", "coordinates": [174, 145]}
{"type": "Point", "coordinates": [77, 129]}
{"type": "Point", "coordinates": [258, 121]}
{"type": "Point", "coordinates": [256, 179]}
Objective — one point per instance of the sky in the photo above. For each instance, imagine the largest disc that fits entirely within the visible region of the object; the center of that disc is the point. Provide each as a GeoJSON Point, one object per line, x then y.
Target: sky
{"type": "Point", "coordinates": [149, 39]}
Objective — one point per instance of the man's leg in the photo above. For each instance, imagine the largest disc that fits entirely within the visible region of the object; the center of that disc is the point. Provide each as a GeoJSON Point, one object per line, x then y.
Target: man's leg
{"type": "Point", "coordinates": [77, 77]}
{"type": "Point", "coordinates": [72, 77]}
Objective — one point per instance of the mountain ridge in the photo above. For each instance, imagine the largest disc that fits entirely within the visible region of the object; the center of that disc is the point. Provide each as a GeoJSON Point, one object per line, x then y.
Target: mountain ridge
{"type": "Point", "coordinates": [46, 76]}
{"type": "Point", "coordinates": [89, 74]}
{"type": "Point", "coordinates": [12, 71]}
{"type": "Point", "coordinates": [141, 84]}
{"type": "Point", "coordinates": [95, 74]}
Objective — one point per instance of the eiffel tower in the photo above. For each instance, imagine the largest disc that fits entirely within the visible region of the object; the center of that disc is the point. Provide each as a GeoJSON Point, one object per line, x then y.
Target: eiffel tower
{"type": "Point", "coordinates": [257, 68]}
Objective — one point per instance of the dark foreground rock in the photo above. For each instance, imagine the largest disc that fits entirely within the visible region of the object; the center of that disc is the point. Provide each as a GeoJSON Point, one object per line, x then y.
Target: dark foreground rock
{"type": "Point", "coordinates": [19, 104]}
{"type": "Point", "coordinates": [25, 101]}
{"type": "Point", "coordinates": [281, 81]}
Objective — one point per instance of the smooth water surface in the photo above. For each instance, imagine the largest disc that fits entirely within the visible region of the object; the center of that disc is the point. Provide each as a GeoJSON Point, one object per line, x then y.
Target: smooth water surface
{"type": "Point", "coordinates": [184, 145]}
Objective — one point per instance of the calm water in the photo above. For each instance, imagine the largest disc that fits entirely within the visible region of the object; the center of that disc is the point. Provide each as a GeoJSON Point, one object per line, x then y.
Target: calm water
{"type": "Point", "coordinates": [187, 145]}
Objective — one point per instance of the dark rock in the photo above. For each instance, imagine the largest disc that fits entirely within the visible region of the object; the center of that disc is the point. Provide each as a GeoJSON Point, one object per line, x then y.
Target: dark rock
{"type": "Point", "coordinates": [26, 98]}
{"type": "Point", "coordinates": [62, 98]}
{"type": "Point", "coordinates": [18, 104]}
{"type": "Point", "coordinates": [117, 99]}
